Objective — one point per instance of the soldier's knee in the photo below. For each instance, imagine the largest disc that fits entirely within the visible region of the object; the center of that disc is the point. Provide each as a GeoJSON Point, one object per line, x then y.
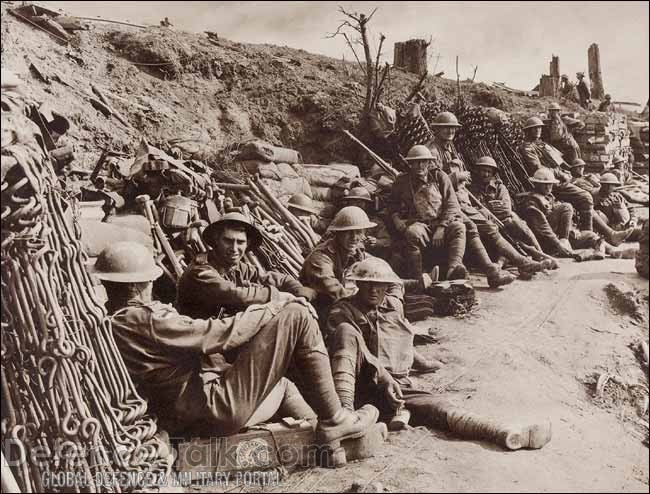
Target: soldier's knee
{"type": "Point", "coordinates": [566, 208]}
{"type": "Point", "coordinates": [411, 237]}
{"type": "Point", "coordinates": [456, 227]}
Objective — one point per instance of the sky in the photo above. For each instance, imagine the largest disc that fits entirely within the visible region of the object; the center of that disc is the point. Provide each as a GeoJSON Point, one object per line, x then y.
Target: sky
{"type": "Point", "coordinates": [510, 42]}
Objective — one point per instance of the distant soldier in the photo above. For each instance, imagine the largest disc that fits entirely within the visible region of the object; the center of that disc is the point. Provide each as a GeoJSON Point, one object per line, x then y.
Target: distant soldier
{"type": "Point", "coordinates": [560, 135]}
{"type": "Point", "coordinates": [583, 91]}
{"type": "Point", "coordinates": [606, 104]}
{"type": "Point", "coordinates": [568, 91]}
{"type": "Point", "coordinates": [537, 155]}
{"type": "Point", "coordinates": [615, 212]}
{"type": "Point", "coordinates": [301, 206]}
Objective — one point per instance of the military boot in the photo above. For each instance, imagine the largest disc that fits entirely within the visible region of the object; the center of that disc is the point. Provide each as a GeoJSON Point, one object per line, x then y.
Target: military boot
{"type": "Point", "coordinates": [497, 277]}
{"type": "Point", "coordinates": [586, 217]}
{"type": "Point", "coordinates": [414, 264]}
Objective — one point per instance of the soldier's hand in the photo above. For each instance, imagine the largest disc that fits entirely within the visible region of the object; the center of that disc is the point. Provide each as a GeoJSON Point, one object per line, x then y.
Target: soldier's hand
{"type": "Point", "coordinates": [370, 241]}
{"type": "Point", "coordinates": [438, 239]}
{"type": "Point", "coordinates": [464, 177]}
{"type": "Point", "coordinates": [393, 393]}
{"type": "Point", "coordinates": [307, 293]}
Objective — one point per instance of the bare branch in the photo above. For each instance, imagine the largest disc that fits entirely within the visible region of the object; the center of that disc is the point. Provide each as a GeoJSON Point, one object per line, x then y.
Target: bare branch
{"type": "Point", "coordinates": [354, 16]}
{"type": "Point", "coordinates": [430, 40]}
{"type": "Point", "coordinates": [380, 86]}
{"type": "Point", "coordinates": [381, 42]}
{"type": "Point", "coordinates": [474, 76]}
{"type": "Point", "coordinates": [338, 29]}
{"type": "Point", "coordinates": [363, 69]}
{"type": "Point", "coordinates": [370, 16]}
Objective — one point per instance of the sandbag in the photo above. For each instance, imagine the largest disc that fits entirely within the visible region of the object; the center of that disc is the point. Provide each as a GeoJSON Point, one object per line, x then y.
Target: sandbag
{"type": "Point", "coordinates": [325, 209]}
{"type": "Point", "coordinates": [288, 186]}
{"type": "Point", "coordinates": [278, 171]}
{"type": "Point", "coordinates": [319, 193]}
{"type": "Point", "coordinates": [261, 150]}
{"type": "Point", "coordinates": [133, 221]}
{"type": "Point", "coordinates": [329, 175]}
{"type": "Point", "coordinates": [96, 236]}
{"type": "Point", "coordinates": [252, 166]}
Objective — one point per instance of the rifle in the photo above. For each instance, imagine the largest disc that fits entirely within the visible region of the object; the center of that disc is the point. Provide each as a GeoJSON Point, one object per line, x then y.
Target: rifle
{"type": "Point", "coordinates": [384, 166]}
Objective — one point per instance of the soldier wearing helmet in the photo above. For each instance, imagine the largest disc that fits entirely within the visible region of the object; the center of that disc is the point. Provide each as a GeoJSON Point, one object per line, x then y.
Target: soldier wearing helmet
{"type": "Point", "coordinates": [549, 218]}
{"type": "Point", "coordinates": [481, 231]}
{"type": "Point", "coordinates": [606, 104]}
{"type": "Point", "coordinates": [372, 353]}
{"type": "Point", "coordinates": [583, 91]}
{"type": "Point", "coordinates": [425, 210]}
{"type": "Point", "coordinates": [488, 188]}
{"type": "Point", "coordinates": [379, 243]}
{"type": "Point", "coordinates": [220, 279]}
{"type": "Point", "coordinates": [537, 155]}
{"type": "Point", "coordinates": [615, 213]}
{"type": "Point", "coordinates": [560, 136]}
{"type": "Point", "coordinates": [302, 207]}
{"type": "Point", "coordinates": [178, 363]}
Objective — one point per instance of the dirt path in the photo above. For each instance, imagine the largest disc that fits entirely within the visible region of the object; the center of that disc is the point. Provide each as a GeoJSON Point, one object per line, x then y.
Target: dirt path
{"type": "Point", "coordinates": [529, 351]}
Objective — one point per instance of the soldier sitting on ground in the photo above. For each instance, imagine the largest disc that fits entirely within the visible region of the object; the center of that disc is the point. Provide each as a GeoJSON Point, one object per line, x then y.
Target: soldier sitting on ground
{"type": "Point", "coordinates": [615, 212]}
{"type": "Point", "coordinates": [371, 348]}
{"type": "Point", "coordinates": [179, 364]}
{"type": "Point", "coordinates": [560, 136]}
{"type": "Point", "coordinates": [302, 207]}
{"type": "Point", "coordinates": [494, 195]}
{"type": "Point", "coordinates": [552, 221]}
{"type": "Point", "coordinates": [379, 243]}
{"type": "Point", "coordinates": [592, 184]}
{"type": "Point", "coordinates": [221, 279]}
{"type": "Point", "coordinates": [539, 155]}
{"type": "Point", "coordinates": [481, 231]}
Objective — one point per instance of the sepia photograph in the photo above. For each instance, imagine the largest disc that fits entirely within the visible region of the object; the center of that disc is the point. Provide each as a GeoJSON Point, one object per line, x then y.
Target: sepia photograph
{"type": "Point", "coordinates": [324, 246]}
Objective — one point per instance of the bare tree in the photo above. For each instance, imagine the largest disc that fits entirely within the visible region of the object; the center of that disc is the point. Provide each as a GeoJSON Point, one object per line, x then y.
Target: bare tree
{"type": "Point", "coordinates": [375, 76]}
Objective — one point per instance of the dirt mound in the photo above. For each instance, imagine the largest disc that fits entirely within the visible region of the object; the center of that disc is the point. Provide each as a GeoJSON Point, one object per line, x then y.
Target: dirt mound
{"type": "Point", "coordinates": [626, 301]}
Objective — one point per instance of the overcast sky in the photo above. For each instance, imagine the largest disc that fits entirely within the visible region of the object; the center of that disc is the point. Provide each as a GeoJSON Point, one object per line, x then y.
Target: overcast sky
{"type": "Point", "coordinates": [511, 42]}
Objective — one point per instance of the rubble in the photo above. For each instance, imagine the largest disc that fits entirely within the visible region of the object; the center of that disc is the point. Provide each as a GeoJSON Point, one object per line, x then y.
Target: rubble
{"type": "Point", "coordinates": [604, 136]}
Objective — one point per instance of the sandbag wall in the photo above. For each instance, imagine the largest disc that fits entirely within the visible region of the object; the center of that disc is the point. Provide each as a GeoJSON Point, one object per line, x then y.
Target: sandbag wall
{"type": "Point", "coordinates": [604, 136]}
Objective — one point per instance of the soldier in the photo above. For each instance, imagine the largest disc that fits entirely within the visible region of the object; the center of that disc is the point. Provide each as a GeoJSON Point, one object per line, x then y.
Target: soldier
{"type": "Point", "coordinates": [641, 261]}
{"type": "Point", "coordinates": [178, 363]}
{"type": "Point", "coordinates": [549, 218]}
{"type": "Point", "coordinates": [490, 190]}
{"type": "Point", "coordinates": [481, 230]}
{"type": "Point", "coordinates": [614, 212]}
{"type": "Point", "coordinates": [425, 210]}
{"type": "Point", "coordinates": [606, 104]}
{"type": "Point", "coordinates": [560, 136]}
{"type": "Point", "coordinates": [220, 279]}
{"type": "Point", "coordinates": [302, 207]}
{"type": "Point", "coordinates": [380, 242]}
{"type": "Point", "coordinates": [592, 184]}
{"type": "Point", "coordinates": [371, 347]}
{"type": "Point", "coordinates": [621, 168]}
{"type": "Point", "coordinates": [538, 155]}
{"type": "Point", "coordinates": [583, 91]}
{"type": "Point", "coordinates": [568, 90]}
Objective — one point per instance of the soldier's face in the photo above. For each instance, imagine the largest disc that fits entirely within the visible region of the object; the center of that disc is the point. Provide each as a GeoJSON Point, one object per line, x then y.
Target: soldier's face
{"type": "Point", "coordinates": [534, 133]}
{"type": "Point", "coordinates": [607, 189]}
{"type": "Point", "coordinates": [371, 294]}
{"type": "Point", "coordinates": [447, 133]}
{"type": "Point", "coordinates": [578, 171]}
{"type": "Point", "coordinates": [544, 189]}
{"type": "Point", "coordinates": [485, 174]}
{"type": "Point", "coordinates": [231, 245]}
{"type": "Point", "coordinates": [350, 240]}
{"type": "Point", "coordinates": [420, 168]}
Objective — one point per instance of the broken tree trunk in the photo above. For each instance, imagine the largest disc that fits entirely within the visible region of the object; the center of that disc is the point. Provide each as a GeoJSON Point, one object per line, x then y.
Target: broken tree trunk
{"type": "Point", "coordinates": [411, 56]}
{"type": "Point", "coordinates": [547, 86]}
{"type": "Point", "coordinates": [595, 74]}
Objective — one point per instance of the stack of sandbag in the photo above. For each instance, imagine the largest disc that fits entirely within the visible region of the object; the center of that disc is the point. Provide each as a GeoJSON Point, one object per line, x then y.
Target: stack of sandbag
{"type": "Point", "coordinates": [604, 136]}
{"type": "Point", "coordinates": [283, 179]}
{"type": "Point", "coordinates": [639, 142]}
{"type": "Point", "coordinates": [328, 184]}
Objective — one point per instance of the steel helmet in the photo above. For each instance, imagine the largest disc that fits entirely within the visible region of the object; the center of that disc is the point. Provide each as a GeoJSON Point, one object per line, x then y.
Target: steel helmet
{"type": "Point", "coordinates": [253, 234]}
{"type": "Point", "coordinates": [358, 193]}
{"type": "Point", "coordinates": [351, 218]}
{"type": "Point", "coordinates": [578, 162]}
{"type": "Point", "coordinates": [619, 159]}
{"type": "Point", "coordinates": [609, 178]}
{"type": "Point", "coordinates": [533, 122]}
{"type": "Point", "coordinates": [419, 152]}
{"type": "Point", "coordinates": [125, 262]}
{"type": "Point", "coordinates": [580, 74]}
{"type": "Point", "coordinates": [544, 176]}
{"type": "Point", "coordinates": [373, 269]}
{"type": "Point", "coordinates": [445, 119]}
{"type": "Point", "coordinates": [301, 202]}
{"type": "Point", "coordinates": [608, 96]}
{"type": "Point", "coordinates": [487, 161]}
{"type": "Point", "coordinates": [554, 106]}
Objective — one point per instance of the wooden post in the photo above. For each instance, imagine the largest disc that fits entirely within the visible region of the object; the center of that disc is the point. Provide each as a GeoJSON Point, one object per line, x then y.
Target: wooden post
{"type": "Point", "coordinates": [595, 74]}
{"type": "Point", "coordinates": [411, 56]}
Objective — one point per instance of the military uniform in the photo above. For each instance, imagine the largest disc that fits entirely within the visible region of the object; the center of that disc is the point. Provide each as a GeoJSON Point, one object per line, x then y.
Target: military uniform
{"type": "Point", "coordinates": [533, 153]}
{"type": "Point", "coordinates": [431, 202]}
{"type": "Point", "coordinates": [614, 211]}
{"type": "Point", "coordinates": [561, 138]}
{"type": "Point", "coordinates": [583, 93]}
{"type": "Point", "coordinates": [211, 375]}
{"type": "Point", "coordinates": [480, 230]}
{"type": "Point", "coordinates": [641, 261]}
{"type": "Point", "coordinates": [549, 219]}
{"type": "Point", "coordinates": [207, 287]}
{"type": "Point", "coordinates": [515, 226]}
{"type": "Point", "coordinates": [325, 269]}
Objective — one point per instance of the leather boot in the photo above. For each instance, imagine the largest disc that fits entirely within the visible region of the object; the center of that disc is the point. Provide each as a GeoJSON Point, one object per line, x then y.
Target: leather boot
{"type": "Point", "coordinates": [344, 425]}
{"type": "Point", "coordinates": [473, 426]}
{"type": "Point", "coordinates": [457, 272]}
{"type": "Point", "coordinates": [523, 263]}
{"type": "Point", "coordinates": [497, 277]}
